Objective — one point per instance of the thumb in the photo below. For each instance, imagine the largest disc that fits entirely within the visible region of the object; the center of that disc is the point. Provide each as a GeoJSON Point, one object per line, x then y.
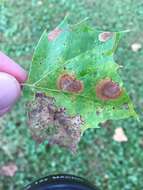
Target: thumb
{"type": "Point", "coordinates": [9, 92]}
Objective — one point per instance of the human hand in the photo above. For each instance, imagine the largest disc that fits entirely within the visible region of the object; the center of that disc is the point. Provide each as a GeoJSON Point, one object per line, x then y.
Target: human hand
{"type": "Point", "coordinates": [11, 76]}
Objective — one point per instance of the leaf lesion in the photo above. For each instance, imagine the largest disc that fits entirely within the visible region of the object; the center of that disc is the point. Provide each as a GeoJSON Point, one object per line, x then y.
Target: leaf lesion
{"type": "Point", "coordinates": [70, 84]}
{"type": "Point", "coordinates": [49, 122]}
{"type": "Point", "coordinates": [107, 89]}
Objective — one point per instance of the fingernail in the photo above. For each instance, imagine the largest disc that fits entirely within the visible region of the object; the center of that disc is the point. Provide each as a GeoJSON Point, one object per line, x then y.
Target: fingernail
{"type": "Point", "coordinates": [9, 92]}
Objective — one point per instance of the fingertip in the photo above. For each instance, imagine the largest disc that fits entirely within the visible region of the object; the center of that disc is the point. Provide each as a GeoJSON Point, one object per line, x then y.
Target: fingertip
{"type": "Point", "coordinates": [24, 76]}
{"type": "Point", "coordinates": [10, 92]}
{"type": "Point", "coordinates": [7, 65]}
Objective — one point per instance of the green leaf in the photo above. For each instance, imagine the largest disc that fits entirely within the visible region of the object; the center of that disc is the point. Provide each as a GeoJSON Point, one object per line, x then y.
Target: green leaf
{"type": "Point", "coordinates": [74, 65]}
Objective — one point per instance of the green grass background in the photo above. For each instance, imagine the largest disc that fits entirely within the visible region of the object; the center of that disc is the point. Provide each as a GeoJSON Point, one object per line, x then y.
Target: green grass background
{"type": "Point", "coordinates": [108, 164]}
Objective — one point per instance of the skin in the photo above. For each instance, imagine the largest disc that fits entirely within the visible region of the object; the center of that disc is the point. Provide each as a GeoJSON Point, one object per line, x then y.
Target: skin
{"type": "Point", "coordinates": [11, 77]}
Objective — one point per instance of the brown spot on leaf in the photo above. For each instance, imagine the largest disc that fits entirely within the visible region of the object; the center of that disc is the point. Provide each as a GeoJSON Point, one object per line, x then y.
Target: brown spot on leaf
{"type": "Point", "coordinates": [70, 84]}
{"type": "Point", "coordinates": [54, 34]}
{"type": "Point", "coordinates": [104, 36]}
{"type": "Point", "coordinates": [48, 122]}
{"type": "Point", "coordinates": [106, 89]}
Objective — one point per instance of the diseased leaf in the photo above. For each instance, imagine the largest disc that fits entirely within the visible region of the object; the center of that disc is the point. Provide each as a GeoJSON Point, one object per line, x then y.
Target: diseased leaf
{"type": "Point", "coordinates": [74, 69]}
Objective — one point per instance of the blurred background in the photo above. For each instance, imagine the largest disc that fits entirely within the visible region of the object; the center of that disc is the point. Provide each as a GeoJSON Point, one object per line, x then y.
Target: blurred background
{"type": "Point", "coordinates": [111, 157]}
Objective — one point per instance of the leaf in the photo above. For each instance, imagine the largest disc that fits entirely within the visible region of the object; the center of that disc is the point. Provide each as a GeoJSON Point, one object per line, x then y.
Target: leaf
{"type": "Point", "coordinates": [74, 65]}
{"type": "Point", "coordinates": [119, 135]}
{"type": "Point", "coordinates": [8, 170]}
{"type": "Point", "coordinates": [136, 47]}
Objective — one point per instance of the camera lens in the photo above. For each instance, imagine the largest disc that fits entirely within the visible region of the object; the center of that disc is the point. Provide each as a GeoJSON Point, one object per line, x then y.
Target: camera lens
{"type": "Point", "coordinates": [61, 182]}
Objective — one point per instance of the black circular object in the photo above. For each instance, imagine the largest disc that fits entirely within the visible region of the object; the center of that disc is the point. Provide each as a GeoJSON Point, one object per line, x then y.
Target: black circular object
{"type": "Point", "coordinates": [61, 182]}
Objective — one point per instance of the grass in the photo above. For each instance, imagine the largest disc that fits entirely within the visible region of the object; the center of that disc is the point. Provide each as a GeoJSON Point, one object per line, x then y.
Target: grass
{"type": "Point", "coordinates": [108, 164]}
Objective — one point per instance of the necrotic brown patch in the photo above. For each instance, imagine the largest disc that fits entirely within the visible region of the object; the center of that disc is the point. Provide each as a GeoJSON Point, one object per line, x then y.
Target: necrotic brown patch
{"type": "Point", "coordinates": [107, 90]}
{"type": "Point", "coordinates": [54, 34]}
{"type": "Point", "coordinates": [70, 84]}
{"type": "Point", "coordinates": [52, 123]}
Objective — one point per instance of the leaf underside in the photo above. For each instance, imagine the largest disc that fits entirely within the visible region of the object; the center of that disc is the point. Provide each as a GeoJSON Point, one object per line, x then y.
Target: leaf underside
{"type": "Point", "coordinates": [67, 66]}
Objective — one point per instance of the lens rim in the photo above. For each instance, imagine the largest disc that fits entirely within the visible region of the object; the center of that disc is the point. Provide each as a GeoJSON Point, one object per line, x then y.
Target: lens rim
{"type": "Point", "coordinates": [56, 181]}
